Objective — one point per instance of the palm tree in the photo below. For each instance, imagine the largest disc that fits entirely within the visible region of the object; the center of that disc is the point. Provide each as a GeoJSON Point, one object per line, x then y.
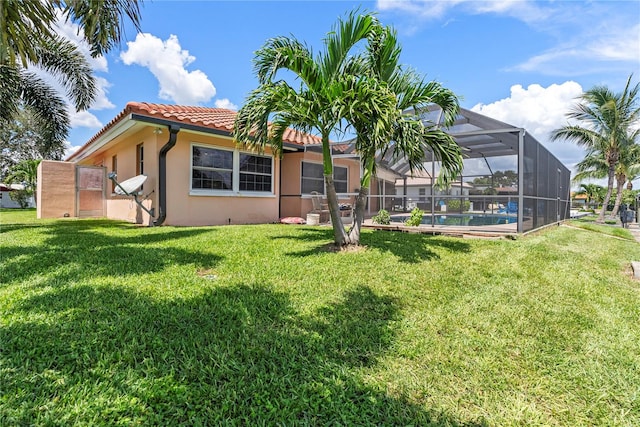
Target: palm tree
{"type": "Point", "coordinates": [26, 173]}
{"type": "Point", "coordinates": [627, 169]}
{"type": "Point", "coordinates": [607, 118]}
{"type": "Point", "coordinates": [28, 39]}
{"type": "Point", "coordinates": [337, 88]}
{"type": "Point", "coordinates": [403, 132]}
{"type": "Point", "coordinates": [592, 191]}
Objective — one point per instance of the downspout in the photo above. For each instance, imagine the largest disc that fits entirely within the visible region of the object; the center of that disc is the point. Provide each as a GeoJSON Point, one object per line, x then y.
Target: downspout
{"type": "Point", "coordinates": [162, 172]}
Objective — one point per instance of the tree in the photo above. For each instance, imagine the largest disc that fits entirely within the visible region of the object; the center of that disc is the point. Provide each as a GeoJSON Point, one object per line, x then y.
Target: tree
{"type": "Point", "coordinates": [23, 138]}
{"type": "Point", "coordinates": [25, 173]}
{"type": "Point", "coordinates": [396, 125]}
{"type": "Point", "coordinates": [28, 39]}
{"type": "Point", "coordinates": [606, 119]}
{"type": "Point", "coordinates": [337, 88]}
{"type": "Point", "coordinates": [592, 191]}
{"type": "Point", "coordinates": [594, 165]}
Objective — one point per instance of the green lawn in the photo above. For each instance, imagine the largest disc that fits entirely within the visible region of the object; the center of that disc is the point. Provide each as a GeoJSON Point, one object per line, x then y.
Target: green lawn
{"type": "Point", "coordinates": [105, 323]}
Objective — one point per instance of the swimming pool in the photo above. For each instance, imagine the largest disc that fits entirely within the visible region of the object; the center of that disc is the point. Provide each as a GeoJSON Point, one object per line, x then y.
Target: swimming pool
{"type": "Point", "coordinates": [467, 220]}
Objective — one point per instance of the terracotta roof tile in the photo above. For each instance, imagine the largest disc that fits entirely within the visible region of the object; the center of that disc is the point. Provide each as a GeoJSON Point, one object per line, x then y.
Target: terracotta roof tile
{"type": "Point", "coordinates": [206, 117]}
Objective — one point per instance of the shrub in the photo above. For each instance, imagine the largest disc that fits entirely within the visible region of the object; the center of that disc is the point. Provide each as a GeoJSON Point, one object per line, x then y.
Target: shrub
{"type": "Point", "coordinates": [382, 217]}
{"type": "Point", "coordinates": [416, 217]}
{"type": "Point", "coordinates": [454, 205]}
{"type": "Point", "coordinates": [21, 197]}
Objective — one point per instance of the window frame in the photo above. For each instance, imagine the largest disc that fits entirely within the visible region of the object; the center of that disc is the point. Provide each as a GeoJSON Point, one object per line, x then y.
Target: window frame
{"type": "Point", "coordinates": [324, 190]}
{"type": "Point", "coordinates": [235, 190]}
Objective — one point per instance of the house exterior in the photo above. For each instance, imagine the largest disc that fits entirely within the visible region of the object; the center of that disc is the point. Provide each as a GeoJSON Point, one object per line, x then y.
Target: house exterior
{"type": "Point", "coordinates": [196, 173]}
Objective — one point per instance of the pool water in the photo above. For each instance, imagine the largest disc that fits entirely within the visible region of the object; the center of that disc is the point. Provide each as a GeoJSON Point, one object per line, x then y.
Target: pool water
{"type": "Point", "coordinates": [469, 220]}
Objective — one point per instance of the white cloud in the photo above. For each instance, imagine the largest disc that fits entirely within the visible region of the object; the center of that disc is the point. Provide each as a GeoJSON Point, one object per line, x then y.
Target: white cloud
{"type": "Point", "coordinates": [70, 149]}
{"type": "Point", "coordinates": [539, 110]}
{"type": "Point", "coordinates": [225, 103]}
{"type": "Point", "coordinates": [83, 119]}
{"type": "Point", "coordinates": [526, 11]}
{"type": "Point", "coordinates": [167, 61]}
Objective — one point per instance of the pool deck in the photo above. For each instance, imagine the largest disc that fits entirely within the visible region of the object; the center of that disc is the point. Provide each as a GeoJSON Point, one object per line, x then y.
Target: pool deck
{"type": "Point", "coordinates": [484, 231]}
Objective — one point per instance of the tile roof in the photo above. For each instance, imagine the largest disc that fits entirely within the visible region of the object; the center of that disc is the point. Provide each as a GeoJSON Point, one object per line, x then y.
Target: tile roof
{"type": "Point", "coordinates": [219, 119]}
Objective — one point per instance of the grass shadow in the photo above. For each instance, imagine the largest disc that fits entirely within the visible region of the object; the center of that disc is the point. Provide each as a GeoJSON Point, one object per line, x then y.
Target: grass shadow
{"type": "Point", "coordinates": [407, 247]}
{"type": "Point", "coordinates": [239, 355]}
{"type": "Point", "coordinates": [70, 249]}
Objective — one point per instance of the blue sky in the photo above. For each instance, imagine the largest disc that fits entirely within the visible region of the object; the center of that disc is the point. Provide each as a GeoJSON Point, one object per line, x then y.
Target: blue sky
{"type": "Point", "coordinates": [522, 62]}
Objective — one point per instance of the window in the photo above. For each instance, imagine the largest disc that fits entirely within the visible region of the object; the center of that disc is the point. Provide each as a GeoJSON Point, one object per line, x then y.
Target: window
{"type": "Point", "coordinates": [255, 173]}
{"type": "Point", "coordinates": [313, 178]}
{"type": "Point", "coordinates": [140, 161]}
{"type": "Point", "coordinates": [340, 176]}
{"type": "Point", "coordinates": [114, 169]}
{"type": "Point", "coordinates": [422, 192]}
{"type": "Point", "coordinates": [212, 169]}
{"type": "Point", "coordinates": [222, 170]}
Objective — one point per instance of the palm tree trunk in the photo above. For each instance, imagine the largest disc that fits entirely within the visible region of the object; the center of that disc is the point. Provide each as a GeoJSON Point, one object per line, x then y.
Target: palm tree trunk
{"type": "Point", "coordinates": [358, 216]}
{"type": "Point", "coordinates": [607, 197]}
{"type": "Point", "coordinates": [339, 233]}
{"type": "Point", "coordinates": [620, 180]}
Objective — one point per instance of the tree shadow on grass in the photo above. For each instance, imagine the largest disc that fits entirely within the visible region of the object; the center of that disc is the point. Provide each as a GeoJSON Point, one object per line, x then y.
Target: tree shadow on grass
{"type": "Point", "coordinates": [238, 355]}
{"type": "Point", "coordinates": [408, 247]}
{"type": "Point", "coordinates": [74, 250]}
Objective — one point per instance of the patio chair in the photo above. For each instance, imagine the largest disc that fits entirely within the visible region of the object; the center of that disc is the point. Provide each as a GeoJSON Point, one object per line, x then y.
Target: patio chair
{"type": "Point", "coordinates": [319, 207]}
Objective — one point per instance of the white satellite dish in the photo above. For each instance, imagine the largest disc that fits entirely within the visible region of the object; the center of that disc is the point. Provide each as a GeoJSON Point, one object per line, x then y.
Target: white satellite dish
{"type": "Point", "coordinates": [128, 187]}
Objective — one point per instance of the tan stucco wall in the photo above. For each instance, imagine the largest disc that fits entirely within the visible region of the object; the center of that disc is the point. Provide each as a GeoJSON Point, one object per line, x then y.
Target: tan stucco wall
{"type": "Point", "coordinates": [56, 191]}
{"type": "Point", "coordinates": [185, 207]}
{"type": "Point", "coordinates": [293, 203]}
{"type": "Point", "coordinates": [123, 207]}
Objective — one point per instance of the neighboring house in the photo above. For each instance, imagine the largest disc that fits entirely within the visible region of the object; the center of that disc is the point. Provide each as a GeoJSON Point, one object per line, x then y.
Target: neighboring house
{"type": "Point", "coordinates": [5, 196]}
{"type": "Point", "coordinates": [197, 174]}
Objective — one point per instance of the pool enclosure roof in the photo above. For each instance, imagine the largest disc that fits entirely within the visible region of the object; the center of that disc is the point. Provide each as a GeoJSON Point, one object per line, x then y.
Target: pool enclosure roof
{"type": "Point", "coordinates": [477, 135]}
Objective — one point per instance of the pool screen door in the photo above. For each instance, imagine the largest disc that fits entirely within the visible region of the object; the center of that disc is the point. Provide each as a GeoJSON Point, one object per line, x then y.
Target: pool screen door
{"type": "Point", "coordinates": [90, 190]}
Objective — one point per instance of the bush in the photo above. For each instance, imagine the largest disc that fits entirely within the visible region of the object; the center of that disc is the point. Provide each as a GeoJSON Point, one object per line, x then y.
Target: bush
{"type": "Point", "coordinates": [21, 197]}
{"type": "Point", "coordinates": [382, 217]}
{"type": "Point", "coordinates": [416, 218]}
{"type": "Point", "coordinates": [454, 205]}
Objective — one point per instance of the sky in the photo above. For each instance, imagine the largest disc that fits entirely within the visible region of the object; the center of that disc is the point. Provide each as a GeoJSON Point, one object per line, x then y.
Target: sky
{"type": "Point", "coordinates": [522, 62]}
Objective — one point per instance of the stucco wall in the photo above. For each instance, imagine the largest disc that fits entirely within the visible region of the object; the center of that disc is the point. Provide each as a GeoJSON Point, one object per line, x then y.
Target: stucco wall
{"type": "Point", "coordinates": [123, 207]}
{"type": "Point", "coordinates": [187, 207]}
{"type": "Point", "coordinates": [293, 203]}
{"type": "Point", "coordinates": [56, 191]}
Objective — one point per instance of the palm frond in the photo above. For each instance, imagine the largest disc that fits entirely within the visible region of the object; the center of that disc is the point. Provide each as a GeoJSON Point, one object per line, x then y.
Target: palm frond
{"type": "Point", "coordinates": [63, 60]}
{"type": "Point", "coordinates": [46, 104]}
{"type": "Point", "coordinates": [285, 53]}
{"type": "Point", "coordinates": [103, 21]}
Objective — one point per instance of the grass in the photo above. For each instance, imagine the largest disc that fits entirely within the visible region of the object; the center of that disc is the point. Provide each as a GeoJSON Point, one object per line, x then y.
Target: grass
{"type": "Point", "coordinates": [105, 323]}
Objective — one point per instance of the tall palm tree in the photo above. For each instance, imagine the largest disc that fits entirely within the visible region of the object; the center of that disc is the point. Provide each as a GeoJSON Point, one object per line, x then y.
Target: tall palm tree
{"type": "Point", "coordinates": [627, 170]}
{"type": "Point", "coordinates": [403, 134]}
{"type": "Point", "coordinates": [28, 39]}
{"type": "Point", "coordinates": [336, 87]}
{"type": "Point", "coordinates": [606, 119]}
